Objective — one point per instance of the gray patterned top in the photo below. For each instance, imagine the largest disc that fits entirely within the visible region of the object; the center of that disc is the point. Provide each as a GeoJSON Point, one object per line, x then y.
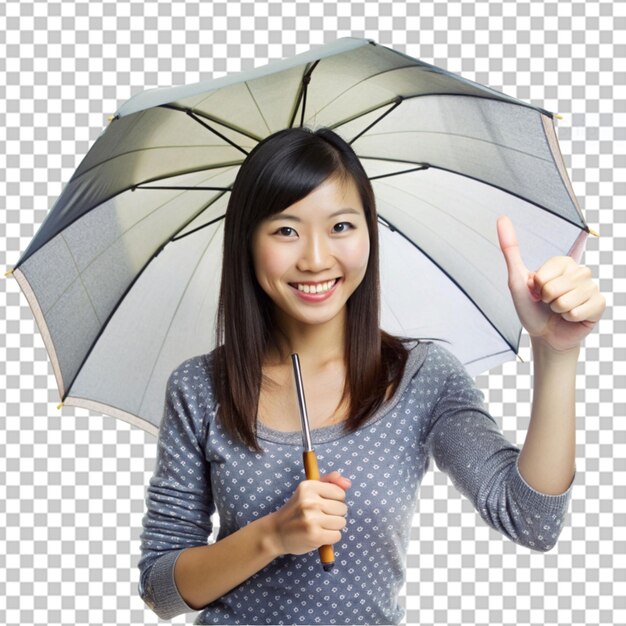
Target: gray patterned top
{"type": "Point", "coordinates": [437, 411]}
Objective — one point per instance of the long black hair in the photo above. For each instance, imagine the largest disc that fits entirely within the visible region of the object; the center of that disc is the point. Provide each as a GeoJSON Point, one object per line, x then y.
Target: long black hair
{"type": "Point", "coordinates": [281, 170]}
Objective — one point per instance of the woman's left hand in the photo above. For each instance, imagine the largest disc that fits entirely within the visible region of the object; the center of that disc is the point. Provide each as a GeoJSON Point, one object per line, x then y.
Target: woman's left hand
{"type": "Point", "coordinates": [559, 303]}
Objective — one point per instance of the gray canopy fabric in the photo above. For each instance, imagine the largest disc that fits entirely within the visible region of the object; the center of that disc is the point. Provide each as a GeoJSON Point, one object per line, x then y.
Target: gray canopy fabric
{"type": "Point", "coordinates": [123, 275]}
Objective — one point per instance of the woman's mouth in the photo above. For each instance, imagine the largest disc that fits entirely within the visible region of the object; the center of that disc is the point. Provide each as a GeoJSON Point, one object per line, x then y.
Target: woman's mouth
{"type": "Point", "coordinates": [315, 292]}
{"type": "Point", "coordinates": [323, 287]}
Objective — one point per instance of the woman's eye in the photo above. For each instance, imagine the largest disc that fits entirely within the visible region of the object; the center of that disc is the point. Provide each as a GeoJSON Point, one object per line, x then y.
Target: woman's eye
{"type": "Point", "coordinates": [285, 231]}
{"type": "Point", "coordinates": [344, 226]}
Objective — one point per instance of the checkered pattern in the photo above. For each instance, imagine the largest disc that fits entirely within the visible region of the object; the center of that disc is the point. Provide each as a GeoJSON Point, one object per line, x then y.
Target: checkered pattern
{"type": "Point", "coordinates": [73, 483]}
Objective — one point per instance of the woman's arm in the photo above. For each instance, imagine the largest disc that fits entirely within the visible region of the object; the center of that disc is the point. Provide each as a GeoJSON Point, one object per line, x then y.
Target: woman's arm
{"type": "Point", "coordinates": [558, 305]}
{"type": "Point", "coordinates": [468, 445]}
{"type": "Point", "coordinates": [205, 573]}
{"type": "Point", "coordinates": [179, 572]}
{"type": "Point", "coordinates": [312, 517]}
{"type": "Point", "coordinates": [547, 459]}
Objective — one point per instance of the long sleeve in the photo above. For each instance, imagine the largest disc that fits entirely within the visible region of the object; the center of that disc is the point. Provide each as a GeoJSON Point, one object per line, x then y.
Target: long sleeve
{"type": "Point", "coordinates": [467, 444]}
{"type": "Point", "coordinates": [179, 500]}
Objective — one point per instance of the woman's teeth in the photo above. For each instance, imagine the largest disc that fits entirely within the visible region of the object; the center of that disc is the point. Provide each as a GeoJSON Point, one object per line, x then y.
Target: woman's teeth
{"type": "Point", "coordinates": [319, 288]}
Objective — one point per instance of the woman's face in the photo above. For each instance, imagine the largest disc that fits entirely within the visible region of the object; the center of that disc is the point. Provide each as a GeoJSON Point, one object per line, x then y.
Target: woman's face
{"type": "Point", "coordinates": [311, 257]}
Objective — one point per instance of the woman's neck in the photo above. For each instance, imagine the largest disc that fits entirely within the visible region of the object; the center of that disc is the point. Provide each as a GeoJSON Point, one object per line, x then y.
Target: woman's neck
{"type": "Point", "coordinates": [316, 344]}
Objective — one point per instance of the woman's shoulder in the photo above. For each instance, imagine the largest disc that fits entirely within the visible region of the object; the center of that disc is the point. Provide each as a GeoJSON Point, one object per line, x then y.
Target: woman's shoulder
{"type": "Point", "coordinates": [428, 356]}
{"type": "Point", "coordinates": [190, 386]}
{"type": "Point", "coordinates": [194, 373]}
{"type": "Point", "coordinates": [197, 361]}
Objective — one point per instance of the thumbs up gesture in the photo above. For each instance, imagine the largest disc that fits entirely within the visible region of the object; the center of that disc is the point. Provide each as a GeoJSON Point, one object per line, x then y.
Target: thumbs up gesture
{"type": "Point", "coordinates": [559, 303]}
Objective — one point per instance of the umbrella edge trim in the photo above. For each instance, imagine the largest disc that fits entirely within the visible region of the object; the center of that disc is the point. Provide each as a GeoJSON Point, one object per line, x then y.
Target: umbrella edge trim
{"type": "Point", "coordinates": [111, 411]}
{"type": "Point", "coordinates": [40, 320]}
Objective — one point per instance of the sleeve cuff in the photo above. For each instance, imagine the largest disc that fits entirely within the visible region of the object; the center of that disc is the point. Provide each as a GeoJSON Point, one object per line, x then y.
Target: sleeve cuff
{"type": "Point", "coordinates": [167, 600]}
{"type": "Point", "coordinates": [550, 503]}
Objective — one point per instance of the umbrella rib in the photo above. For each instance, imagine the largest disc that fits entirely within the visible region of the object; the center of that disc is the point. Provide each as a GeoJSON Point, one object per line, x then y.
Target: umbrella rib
{"type": "Point", "coordinates": [301, 95]}
{"type": "Point", "coordinates": [195, 230]}
{"type": "Point", "coordinates": [360, 82]}
{"type": "Point", "coordinates": [181, 188]}
{"type": "Point", "coordinates": [197, 114]}
{"type": "Point", "coordinates": [395, 229]}
{"type": "Point", "coordinates": [584, 226]}
{"type": "Point", "coordinates": [194, 117]}
{"type": "Point", "coordinates": [494, 354]}
{"type": "Point", "coordinates": [396, 103]}
{"type": "Point", "coordinates": [412, 169]}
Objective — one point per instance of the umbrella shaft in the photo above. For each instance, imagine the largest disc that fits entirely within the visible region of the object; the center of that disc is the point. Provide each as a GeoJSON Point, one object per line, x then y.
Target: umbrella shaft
{"type": "Point", "coordinates": [327, 555]}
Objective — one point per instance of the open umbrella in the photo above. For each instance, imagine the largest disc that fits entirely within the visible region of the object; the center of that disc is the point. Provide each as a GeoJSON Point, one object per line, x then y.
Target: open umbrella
{"type": "Point", "coordinates": [123, 274]}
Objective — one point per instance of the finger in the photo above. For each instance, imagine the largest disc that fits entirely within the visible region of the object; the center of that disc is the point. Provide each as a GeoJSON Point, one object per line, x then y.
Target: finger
{"type": "Point", "coordinates": [590, 311]}
{"type": "Point", "coordinates": [328, 490]}
{"type": "Point", "coordinates": [572, 279]}
{"type": "Point", "coordinates": [334, 507]}
{"type": "Point", "coordinates": [563, 297]}
{"type": "Point", "coordinates": [553, 269]}
{"type": "Point", "coordinates": [510, 248]}
{"type": "Point", "coordinates": [535, 291]}
{"type": "Point", "coordinates": [336, 478]}
{"type": "Point", "coordinates": [333, 522]}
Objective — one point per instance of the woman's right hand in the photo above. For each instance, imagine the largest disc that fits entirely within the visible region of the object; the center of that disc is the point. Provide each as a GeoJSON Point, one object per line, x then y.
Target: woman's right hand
{"type": "Point", "coordinates": [314, 515]}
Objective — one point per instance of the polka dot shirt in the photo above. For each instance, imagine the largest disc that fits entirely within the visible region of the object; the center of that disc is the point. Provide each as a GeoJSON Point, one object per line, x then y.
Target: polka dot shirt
{"type": "Point", "coordinates": [437, 412]}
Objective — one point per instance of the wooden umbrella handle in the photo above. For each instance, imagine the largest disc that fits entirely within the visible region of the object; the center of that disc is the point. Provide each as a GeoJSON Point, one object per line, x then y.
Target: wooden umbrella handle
{"type": "Point", "coordinates": [327, 556]}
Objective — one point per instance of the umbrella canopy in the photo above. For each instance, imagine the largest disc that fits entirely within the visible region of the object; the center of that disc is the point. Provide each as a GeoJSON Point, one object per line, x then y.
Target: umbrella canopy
{"type": "Point", "coordinates": [123, 275]}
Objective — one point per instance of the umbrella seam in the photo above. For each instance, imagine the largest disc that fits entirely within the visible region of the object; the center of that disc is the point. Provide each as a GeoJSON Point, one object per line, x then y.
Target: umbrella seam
{"type": "Point", "coordinates": [478, 139]}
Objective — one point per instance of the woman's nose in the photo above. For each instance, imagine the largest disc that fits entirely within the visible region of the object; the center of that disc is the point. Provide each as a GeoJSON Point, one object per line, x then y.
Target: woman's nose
{"type": "Point", "coordinates": [316, 255]}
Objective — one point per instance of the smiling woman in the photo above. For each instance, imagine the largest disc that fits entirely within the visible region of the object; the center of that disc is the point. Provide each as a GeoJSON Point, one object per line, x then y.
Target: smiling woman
{"type": "Point", "coordinates": [300, 274]}
{"type": "Point", "coordinates": [302, 211]}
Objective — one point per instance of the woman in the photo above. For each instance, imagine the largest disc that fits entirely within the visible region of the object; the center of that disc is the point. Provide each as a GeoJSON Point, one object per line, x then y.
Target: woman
{"type": "Point", "coordinates": [300, 274]}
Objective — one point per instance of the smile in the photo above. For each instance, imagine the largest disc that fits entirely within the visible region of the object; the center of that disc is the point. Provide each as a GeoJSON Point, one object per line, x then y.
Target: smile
{"type": "Point", "coordinates": [315, 287]}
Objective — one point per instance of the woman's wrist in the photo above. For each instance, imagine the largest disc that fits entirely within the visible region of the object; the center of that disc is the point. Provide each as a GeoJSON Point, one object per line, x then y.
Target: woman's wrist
{"type": "Point", "coordinates": [543, 348]}
{"type": "Point", "coordinates": [270, 540]}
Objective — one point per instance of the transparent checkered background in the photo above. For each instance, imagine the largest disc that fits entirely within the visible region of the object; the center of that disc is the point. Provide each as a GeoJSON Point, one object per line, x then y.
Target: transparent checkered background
{"type": "Point", "coordinates": [73, 483]}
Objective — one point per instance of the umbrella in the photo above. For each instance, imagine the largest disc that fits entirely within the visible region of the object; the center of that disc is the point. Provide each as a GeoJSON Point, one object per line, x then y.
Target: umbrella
{"type": "Point", "coordinates": [123, 274]}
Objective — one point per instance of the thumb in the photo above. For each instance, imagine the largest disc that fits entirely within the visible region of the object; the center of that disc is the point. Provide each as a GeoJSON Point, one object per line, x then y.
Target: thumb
{"type": "Point", "coordinates": [336, 478]}
{"type": "Point", "coordinates": [518, 272]}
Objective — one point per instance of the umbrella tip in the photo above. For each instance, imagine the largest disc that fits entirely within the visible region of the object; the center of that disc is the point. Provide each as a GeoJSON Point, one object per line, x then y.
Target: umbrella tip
{"type": "Point", "coordinates": [59, 406]}
{"type": "Point", "coordinates": [594, 233]}
{"type": "Point", "coordinates": [558, 116]}
{"type": "Point", "coordinates": [8, 273]}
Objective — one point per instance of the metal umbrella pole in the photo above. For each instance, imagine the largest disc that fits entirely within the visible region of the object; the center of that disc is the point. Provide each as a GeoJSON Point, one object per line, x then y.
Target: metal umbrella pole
{"type": "Point", "coordinates": [327, 556]}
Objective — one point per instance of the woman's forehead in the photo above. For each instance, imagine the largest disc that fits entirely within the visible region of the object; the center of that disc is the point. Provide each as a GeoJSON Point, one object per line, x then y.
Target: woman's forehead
{"type": "Point", "coordinates": [330, 198]}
